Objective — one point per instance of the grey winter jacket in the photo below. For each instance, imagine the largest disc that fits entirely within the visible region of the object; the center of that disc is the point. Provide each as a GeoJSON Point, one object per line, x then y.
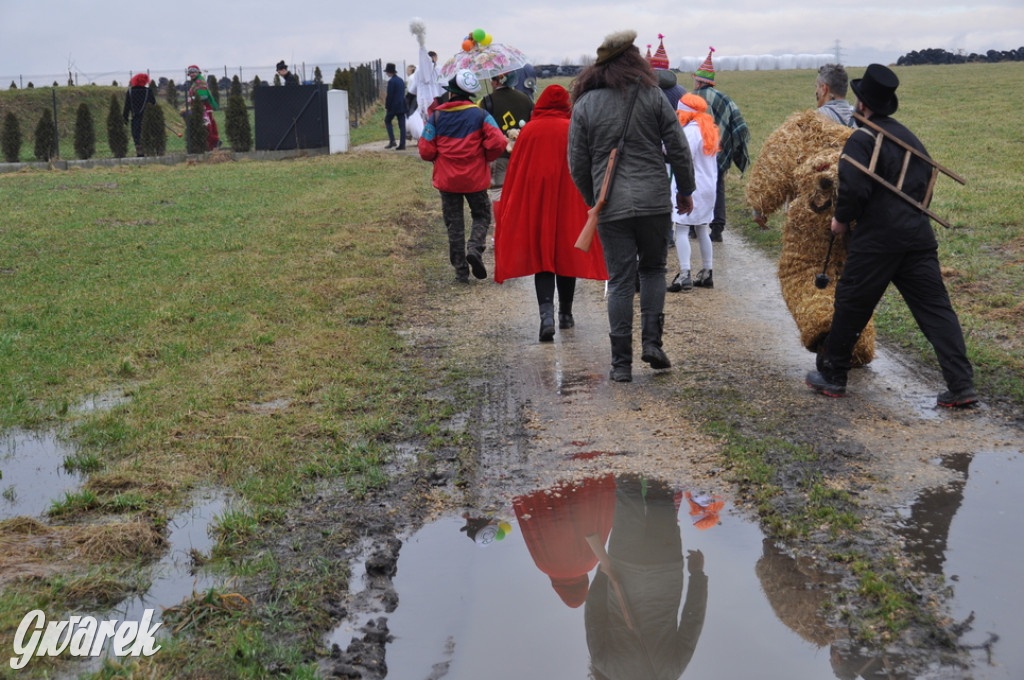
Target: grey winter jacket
{"type": "Point", "coordinates": [640, 186]}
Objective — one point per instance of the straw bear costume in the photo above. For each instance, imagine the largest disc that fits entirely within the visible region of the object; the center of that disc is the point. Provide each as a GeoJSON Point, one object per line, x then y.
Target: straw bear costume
{"type": "Point", "coordinates": [798, 166]}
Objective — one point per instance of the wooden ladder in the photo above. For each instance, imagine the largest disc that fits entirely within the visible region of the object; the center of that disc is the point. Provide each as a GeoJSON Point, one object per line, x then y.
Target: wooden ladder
{"type": "Point", "coordinates": [908, 153]}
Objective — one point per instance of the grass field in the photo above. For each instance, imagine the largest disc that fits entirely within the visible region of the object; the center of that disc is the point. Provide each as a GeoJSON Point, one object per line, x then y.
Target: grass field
{"type": "Point", "coordinates": [206, 290]}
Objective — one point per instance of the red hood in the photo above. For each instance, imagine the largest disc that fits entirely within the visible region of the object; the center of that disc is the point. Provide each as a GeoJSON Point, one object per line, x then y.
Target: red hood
{"type": "Point", "coordinates": [552, 103]}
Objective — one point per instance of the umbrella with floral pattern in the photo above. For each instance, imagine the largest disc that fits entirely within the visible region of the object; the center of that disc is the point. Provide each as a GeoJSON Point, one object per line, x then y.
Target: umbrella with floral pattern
{"type": "Point", "coordinates": [483, 57]}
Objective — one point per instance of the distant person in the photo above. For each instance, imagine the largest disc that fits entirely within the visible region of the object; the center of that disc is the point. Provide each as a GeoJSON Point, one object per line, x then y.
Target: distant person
{"type": "Point", "coordinates": [667, 80]}
{"type": "Point", "coordinates": [703, 139]}
{"type": "Point", "coordinates": [511, 110]}
{"type": "Point", "coordinates": [135, 101]}
{"type": "Point", "coordinates": [394, 108]}
{"type": "Point", "coordinates": [891, 242]}
{"type": "Point", "coordinates": [461, 140]}
{"type": "Point", "coordinates": [198, 89]}
{"type": "Point", "coordinates": [540, 215]}
{"type": "Point", "coordinates": [287, 77]}
{"type": "Point", "coordinates": [618, 98]}
{"type": "Point", "coordinates": [830, 93]}
{"type": "Point", "coordinates": [735, 136]}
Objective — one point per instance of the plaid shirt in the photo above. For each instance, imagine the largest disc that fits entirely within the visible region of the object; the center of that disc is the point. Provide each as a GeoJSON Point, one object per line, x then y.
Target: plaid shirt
{"type": "Point", "coordinates": [735, 134]}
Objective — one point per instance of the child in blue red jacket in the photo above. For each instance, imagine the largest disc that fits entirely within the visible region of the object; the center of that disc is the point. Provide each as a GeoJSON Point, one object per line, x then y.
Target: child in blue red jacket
{"type": "Point", "coordinates": [461, 140]}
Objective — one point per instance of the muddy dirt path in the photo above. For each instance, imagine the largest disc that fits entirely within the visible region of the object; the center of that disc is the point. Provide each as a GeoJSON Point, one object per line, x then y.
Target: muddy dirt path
{"type": "Point", "coordinates": [542, 409]}
{"type": "Point", "coordinates": [548, 401]}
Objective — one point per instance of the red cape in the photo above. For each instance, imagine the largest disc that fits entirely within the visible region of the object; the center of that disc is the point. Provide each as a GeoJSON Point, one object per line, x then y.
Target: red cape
{"type": "Point", "coordinates": [556, 522]}
{"type": "Point", "coordinates": [541, 212]}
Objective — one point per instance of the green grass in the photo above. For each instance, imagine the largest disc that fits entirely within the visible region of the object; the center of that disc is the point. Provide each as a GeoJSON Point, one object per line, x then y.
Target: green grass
{"type": "Point", "coordinates": [204, 292]}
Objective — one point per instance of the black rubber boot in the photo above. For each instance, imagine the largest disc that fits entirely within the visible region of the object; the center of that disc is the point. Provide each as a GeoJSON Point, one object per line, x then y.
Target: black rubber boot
{"type": "Point", "coordinates": [650, 334]}
{"type": "Point", "coordinates": [547, 322]}
{"type": "Point", "coordinates": [622, 358]}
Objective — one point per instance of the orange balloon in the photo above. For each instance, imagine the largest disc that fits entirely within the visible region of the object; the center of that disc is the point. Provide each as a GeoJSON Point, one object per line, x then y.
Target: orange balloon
{"type": "Point", "coordinates": [467, 45]}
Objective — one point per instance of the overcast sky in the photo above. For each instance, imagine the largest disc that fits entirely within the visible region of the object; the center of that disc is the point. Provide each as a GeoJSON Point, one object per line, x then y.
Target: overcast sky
{"type": "Point", "coordinates": [104, 40]}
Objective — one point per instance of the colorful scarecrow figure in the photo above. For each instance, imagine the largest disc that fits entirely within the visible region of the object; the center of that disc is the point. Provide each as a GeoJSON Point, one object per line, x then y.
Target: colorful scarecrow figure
{"type": "Point", "coordinates": [198, 88]}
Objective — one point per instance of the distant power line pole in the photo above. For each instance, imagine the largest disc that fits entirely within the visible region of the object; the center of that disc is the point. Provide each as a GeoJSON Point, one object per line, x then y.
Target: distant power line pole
{"type": "Point", "coordinates": [839, 53]}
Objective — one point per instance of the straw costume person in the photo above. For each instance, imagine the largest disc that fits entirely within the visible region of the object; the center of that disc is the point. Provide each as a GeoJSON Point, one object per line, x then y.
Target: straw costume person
{"type": "Point", "coordinates": [798, 168]}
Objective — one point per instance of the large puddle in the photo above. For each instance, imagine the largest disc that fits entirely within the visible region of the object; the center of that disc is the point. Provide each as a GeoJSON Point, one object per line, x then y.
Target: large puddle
{"type": "Point", "coordinates": [511, 593]}
{"type": "Point", "coordinates": [524, 595]}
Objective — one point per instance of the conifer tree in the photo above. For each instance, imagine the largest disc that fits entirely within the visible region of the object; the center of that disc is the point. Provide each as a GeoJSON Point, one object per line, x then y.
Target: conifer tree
{"type": "Point", "coordinates": [46, 137]}
{"type": "Point", "coordinates": [318, 77]}
{"type": "Point", "coordinates": [10, 138]}
{"type": "Point", "coordinates": [196, 128]}
{"type": "Point", "coordinates": [339, 80]}
{"type": "Point", "coordinates": [85, 132]}
{"type": "Point", "coordinates": [256, 84]}
{"type": "Point", "coordinates": [238, 130]}
{"type": "Point", "coordinates": [14, 86]}
{"type": "Point", "coordinates": [117, 134]}
{"type": "Point", "coordinates": [211, 84]}
{"type": "Point", "coordinates": [172, 94]}
{"type": "Point", "coordinates": [153, 138]}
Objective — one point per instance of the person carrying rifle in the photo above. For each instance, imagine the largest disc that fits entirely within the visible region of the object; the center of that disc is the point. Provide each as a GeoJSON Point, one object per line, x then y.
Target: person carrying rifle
{"type": "Point", "coordinates": [135, 101]}
{"type": "Point", "coordinates": [620, 113]}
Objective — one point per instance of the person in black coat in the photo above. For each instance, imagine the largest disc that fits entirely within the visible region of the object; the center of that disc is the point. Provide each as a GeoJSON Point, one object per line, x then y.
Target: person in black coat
{"type": "Point", "coordinates": [135, 101]}
{"type": "Point", "coordinates": [891, 242]}
{"type": "Point", "coordinates": [394, 107]}
{"type": "Point", "coordinates": [287, 77]}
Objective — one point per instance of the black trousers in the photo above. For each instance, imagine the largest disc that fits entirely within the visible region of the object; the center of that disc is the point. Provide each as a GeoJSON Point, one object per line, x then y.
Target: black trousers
{"type": "Point", "coordinates": [917, 277]}
{"type": "Point", "coordinates": [455, 222]}
{"type": "Point", "coordinates": [545, 283]}
{"type": "Point", "coordinates": [400, 117]}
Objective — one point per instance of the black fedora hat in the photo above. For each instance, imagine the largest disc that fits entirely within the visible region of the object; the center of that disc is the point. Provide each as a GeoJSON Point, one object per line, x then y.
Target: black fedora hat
{"type": "Point", "coordinates": [390, 68]}
{"type": "Point", "coordinates": [877, 89]}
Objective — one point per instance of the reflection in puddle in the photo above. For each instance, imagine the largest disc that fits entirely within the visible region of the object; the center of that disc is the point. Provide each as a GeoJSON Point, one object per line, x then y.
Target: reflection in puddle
{"type": "Point", "coordinates": [33, 473]}
{"type": "Point", "coordinates": [961, 531]}
{"type": "Point", "coordinates": [608, 577]}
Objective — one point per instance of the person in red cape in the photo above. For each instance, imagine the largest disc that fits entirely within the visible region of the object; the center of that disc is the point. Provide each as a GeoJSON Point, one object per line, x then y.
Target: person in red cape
{"type": "Point", "coordinates": [555, 523]}
{"type": "Point", "coordinates": [541, 213]}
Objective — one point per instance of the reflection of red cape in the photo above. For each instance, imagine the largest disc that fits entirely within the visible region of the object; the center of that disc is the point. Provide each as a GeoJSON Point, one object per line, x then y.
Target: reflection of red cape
{"type": "Point", "coordinates": [555, 523]}
{"type": "Point", "coordinates": [541, 212]}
